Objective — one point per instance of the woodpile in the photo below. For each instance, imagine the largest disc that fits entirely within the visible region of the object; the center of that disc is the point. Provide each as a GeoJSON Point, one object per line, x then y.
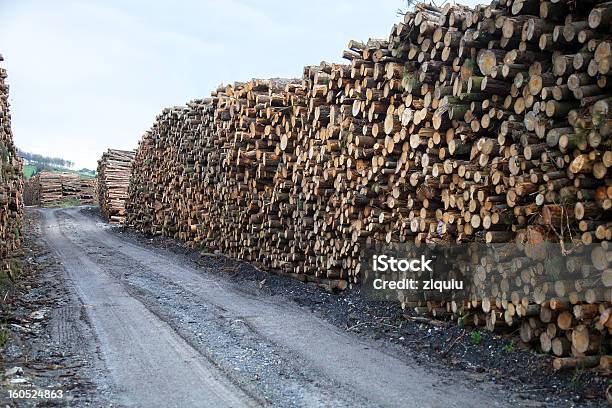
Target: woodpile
{"type": "Point", "coordinates": [486, 130]}
{"type": "Point", "coordinates": [114, 169]}
{"type": "Point", "coordinates": [11, 181]}
{"type": "Point", "coordinates": [31, 191]}
{"type": "Point", "coordinates": [49, 188]}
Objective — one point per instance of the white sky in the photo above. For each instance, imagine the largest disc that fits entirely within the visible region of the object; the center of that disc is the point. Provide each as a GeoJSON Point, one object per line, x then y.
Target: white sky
{"type": "Point", "coordinates": [88, 75]}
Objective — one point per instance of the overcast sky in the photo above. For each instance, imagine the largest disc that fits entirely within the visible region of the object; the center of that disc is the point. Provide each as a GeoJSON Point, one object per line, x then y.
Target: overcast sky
{"type": "Point", "coordinates": [88, 75]}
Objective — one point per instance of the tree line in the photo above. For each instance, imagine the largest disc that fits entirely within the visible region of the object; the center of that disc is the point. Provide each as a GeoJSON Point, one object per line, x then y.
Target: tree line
{"type": "Point", "coordinates": [44, 160]}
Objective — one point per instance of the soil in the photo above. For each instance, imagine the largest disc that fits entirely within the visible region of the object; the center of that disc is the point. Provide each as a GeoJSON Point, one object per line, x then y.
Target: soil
{"type": "Point", "coordinates": [50, 344]}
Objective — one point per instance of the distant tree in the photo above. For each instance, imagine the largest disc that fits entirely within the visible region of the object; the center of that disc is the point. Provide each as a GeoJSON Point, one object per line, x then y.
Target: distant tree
{"type": "Point", "coordinates": [39, 159]}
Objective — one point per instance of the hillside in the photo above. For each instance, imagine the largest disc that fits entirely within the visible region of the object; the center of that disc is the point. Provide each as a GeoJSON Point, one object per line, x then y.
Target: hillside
{"type": "Point", "coordinates": [31, 169]}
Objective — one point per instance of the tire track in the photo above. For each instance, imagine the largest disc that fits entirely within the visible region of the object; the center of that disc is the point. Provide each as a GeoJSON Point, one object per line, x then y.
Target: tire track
{"type": "Point", "coordinates": [353, 363]}
{"type": "Point", "coordinates": [151, 365]}
{"type": "Point", "coordinates": [228, 340]}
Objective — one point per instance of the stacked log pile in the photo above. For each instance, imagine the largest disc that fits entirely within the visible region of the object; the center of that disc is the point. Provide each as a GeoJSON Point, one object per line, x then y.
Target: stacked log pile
{"type": "Point", "coordinates": [49, 188]}
{"type": "Point", "coordinates": [523, 159]}
{"type": "Point", "coordinates": [161, 199]}
{"type": "Point", "coordinates": [11, 182]}
{"type": "Point", "coordinates": [487, 128]}
{"type": "Point", "coordinates": [113, 179]}
{"type": "Point", "coordinates": [82, 188]}
{"type": "Point", "coordinates": [31, 191]}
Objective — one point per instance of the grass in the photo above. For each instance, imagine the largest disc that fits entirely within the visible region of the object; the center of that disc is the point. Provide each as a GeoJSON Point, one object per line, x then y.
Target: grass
{"type": "Point", "coordinates": [29, 170]}
{"type": "Point", "coordinates": [86, 175]}
{"type": "Point", "coordinates": [509, 347]}
{"type": "Point", "coordinates": [476, 337]}
{"type": "Point", "coordinates": [462, 319]}
{"type": "Point", "coordinates": [5, 282]}
{"type": "Point", "coordinates": [15, 270]}
{"type": "Point", "coordinates": [16, 267]}
{"type": "Point", "coordinates": [4, 336]}
{"type": "Point", "coordinates": [573, 385]}
{"type": "Point", "coordinates": [68, 202]}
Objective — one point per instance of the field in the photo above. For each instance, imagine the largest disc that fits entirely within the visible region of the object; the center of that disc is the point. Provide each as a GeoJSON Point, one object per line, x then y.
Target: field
{"type": "Point", "coordinates": [30, 170]}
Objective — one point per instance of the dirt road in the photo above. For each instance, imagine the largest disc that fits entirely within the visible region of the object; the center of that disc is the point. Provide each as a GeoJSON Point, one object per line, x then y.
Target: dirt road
{"type": "Point", "coordinates": [170, 334]}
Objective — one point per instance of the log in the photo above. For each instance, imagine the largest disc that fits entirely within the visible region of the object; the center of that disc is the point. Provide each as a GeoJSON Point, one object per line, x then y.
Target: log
{"type": "Point", "coordinates": [11, 183]}
{"type": "Point", "coordinates": [113, 180]}
{"type": "Point", "coordinates": [49, 188]}
{"type": "Point", "coordinates": [575, 362]}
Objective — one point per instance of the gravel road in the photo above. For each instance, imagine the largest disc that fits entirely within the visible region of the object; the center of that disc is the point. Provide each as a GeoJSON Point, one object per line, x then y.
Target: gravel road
{"type": "Point", "coordinates": [171, 334]}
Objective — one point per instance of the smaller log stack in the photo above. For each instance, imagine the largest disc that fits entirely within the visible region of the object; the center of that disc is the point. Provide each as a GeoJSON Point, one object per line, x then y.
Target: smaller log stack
{"type": "Point", "coordinates": [11, 181]}
{"type": "Point", "coordinates": [78, 188]}
{"type": "Point", "coordinates": [31, 191]}
{"type": "Point", "coordinates": [86, 189]}
{"type": "Point", "coordinates": [51, 188]}
{"type": "Point", "coordinates": [114, 170]}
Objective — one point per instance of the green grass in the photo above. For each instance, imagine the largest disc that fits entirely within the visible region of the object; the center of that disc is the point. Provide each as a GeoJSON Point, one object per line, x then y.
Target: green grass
{"type": "Point", "coordinates": [575, 382]}
{"type": "Point", "coordinates": [86, 175]}
{"type": "Point", "coordinates": [5, 282]}
{"type": "Point", "coordinates": [16, 267]}
{"type": "Point", "coordinates": [28, 171]}
{"type": "Point", "coordinates": [4, 336]}
{"type": "Point", "coordinates": [508, 348]}
{"type": "Point", "coordinates": [462, 319]}
{"type": "Point", "coordinates": [68, 202]}
{"type": "Point", "coordinates": [476, 337]}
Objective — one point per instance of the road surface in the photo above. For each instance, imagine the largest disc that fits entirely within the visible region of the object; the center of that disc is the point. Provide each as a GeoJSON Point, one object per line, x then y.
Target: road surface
{"type": "Point", "coordinates": [171, 334]}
